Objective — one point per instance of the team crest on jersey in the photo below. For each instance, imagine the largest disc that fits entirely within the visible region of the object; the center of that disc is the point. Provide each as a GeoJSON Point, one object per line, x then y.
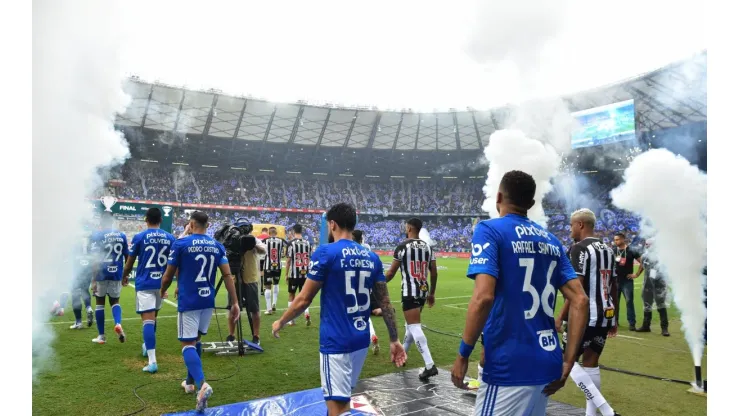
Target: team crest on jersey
{"type": "Point", "coordinates": [548, 341]}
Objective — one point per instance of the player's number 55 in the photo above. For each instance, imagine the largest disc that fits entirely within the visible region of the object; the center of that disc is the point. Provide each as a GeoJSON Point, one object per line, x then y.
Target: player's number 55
{"type": "Point", "coordinates": [528, 263]}
{"type": "Point", "coordinates": [348, 277]}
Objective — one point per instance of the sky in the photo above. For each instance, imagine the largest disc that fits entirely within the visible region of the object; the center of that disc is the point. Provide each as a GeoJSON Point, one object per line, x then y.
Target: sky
{"type": "Point", "coordinates": [422, 55]}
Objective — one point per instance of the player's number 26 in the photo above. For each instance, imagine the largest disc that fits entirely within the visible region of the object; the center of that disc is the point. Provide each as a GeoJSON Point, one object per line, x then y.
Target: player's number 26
{"type": "Point", "coordinates": [348, 277]}
{"type": "Point", "coordinates": [547, 307]}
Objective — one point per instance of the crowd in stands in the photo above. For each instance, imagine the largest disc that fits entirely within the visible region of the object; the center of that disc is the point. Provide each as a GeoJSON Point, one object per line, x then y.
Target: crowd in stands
{"type": "Point", "coordinates": [376, 200]}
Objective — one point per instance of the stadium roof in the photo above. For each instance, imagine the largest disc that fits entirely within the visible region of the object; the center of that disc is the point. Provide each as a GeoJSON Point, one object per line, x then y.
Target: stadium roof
{"type": "Point", "coordinates": [240, 127]}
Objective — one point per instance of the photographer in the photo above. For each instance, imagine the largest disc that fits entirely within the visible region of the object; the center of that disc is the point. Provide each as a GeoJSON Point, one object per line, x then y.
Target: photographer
{"type": "Point", "coordinates": [243, 251]}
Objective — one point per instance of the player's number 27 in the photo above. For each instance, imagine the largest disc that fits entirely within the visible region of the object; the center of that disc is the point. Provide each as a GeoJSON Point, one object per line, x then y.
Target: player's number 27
{"type": "Point", "coordinates": [528, 263]}
{"type": "Point", "coordinates": [348, 277]}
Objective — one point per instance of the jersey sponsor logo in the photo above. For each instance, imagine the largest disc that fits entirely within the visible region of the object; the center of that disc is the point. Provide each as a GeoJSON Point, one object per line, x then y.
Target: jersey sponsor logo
{"type": "Point", "coordinates": [204, 292]}
{"type": "Point", "coordinates": [112, 269]}
{"type": "Point", "coordinates": [585, 390]}
{"type": "Point", "coordinates": [360, 323]}
{"type": "Point", "coordinates": [155, 275]}
{"type": "Point", "coordinates": [530, 230]}
{"type": "Point", "coordinates": [581, 260]}
{"type": "Point", "coordinates": [478, 260]}
{"type": "Point", "coordinates": [548, 341]}
{"type": "Point", "coordinates": [478, 249]}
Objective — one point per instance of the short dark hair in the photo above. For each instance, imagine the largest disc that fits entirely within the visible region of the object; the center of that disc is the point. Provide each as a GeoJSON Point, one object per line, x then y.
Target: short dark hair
{"type": "Point", "coordinates": [273, 229]}
{"type": "Point", "coordinates": [519, 188]}
{"type": "Point", "coordinates": [298, 229]}
{"type": "Point", "coordinates": [264, 229]}
{"type": "Point", "coordinates": [153, 216]}
{"type": "Point", "coordinates": [620, 235]}
{"type": "Point", "coordinates": [200, 218]}
{"type": "Point", "coordinates": [344, 215]}
{"type": "Point", "coordinates": [415, 223]}
{"type": "Point", "coordinates": [357, 236]}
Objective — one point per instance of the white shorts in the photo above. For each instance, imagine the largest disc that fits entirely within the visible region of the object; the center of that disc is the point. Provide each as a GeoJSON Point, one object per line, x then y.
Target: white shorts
{"type": "Point", "coordinates": [510, 400]}
{"type": "Point", "coordinates": [110, 288]}
{"type": "Point", "coordinates": [339, 374]}
{"type": "Point", "coordinates": [148, 300]}
{"type": "Point", "coordinates": [192, 324]}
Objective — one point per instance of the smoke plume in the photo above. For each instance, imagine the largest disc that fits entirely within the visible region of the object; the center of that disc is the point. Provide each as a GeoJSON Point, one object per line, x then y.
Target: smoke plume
{"type": "Point", "coordinates": [670, 195]}
{"type": "Point", "coordinates": [76, 93]}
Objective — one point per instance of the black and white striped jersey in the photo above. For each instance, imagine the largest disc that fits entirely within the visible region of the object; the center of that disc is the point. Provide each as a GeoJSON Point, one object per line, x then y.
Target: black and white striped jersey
{"type": "Point", "coordinates": [299, 253]}
{"type": "Point", "coordinates": [414, 256]}
{"type": "Point", "coordinates": [275, 250]}
{"type": "Point", "coordinates": [594, 260]}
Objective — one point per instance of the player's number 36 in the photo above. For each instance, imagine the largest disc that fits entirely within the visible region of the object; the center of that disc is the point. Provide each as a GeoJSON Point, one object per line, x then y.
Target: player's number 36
{"type": "Point", "coordinates": [547, 307]}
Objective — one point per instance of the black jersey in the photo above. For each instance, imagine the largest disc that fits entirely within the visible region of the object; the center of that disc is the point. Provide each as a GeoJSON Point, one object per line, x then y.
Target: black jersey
{"type": "Point", "coordinates": [299, 253]}
{"type": "Point", "coordinates": [275, 251]}
{"type": "Point", "coordinates": [594, 261]}
{"type": "Point", "coordinates": [414, 256]}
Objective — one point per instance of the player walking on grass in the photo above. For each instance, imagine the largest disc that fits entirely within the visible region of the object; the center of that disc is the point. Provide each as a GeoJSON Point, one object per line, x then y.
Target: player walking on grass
{"type": "Point", "coordinates": [518, 266]}
{"type": "Point", "coordinates": [273, 269]}
{"type": "Point", "coordinates": [80, 288]}
{"type": "Point", "coordinates": [594, 264]}
{"type": "Point", "coordinates": [152, 248]}
{"type": "Point", "coordinates": [110, 253]}
{"type": "Point", "coordinates": [195, 258]}
{"type": "Point", "coordinates": [346, 273]}
{"type": "Point", "coordinates": [414, 257]}
{"type": "Point", "coordinates": [297, 265]}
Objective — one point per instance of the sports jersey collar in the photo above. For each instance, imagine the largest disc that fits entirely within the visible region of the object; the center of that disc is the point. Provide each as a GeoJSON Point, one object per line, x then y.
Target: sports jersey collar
{"type": "Point", "coordinates": [514, 215]}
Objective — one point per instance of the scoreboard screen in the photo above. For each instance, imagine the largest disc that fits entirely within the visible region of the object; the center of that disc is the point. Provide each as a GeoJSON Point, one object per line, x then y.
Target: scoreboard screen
{"type": "Point", "coordinates": [604, 125]}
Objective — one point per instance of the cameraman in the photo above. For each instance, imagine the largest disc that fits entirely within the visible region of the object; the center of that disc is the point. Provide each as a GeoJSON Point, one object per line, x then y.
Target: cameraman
{"type": "Point", "coordinates": [244, 251]}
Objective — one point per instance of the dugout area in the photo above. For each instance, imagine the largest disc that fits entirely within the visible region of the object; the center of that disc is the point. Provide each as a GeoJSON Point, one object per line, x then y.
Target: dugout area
{"type": "Point", "coordinates": [393, 394]}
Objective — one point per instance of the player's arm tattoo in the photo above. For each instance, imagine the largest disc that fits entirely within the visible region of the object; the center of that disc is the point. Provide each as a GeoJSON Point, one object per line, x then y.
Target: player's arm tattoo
{"type": "Point", "coordinates": [389, 316]}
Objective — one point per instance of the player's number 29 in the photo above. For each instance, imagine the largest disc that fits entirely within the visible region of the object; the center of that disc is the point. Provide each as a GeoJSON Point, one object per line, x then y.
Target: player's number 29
{"type": "Point", "coordinates": [113, 248]}
{"type": "Point", "coordinates": [528, 264]}
{"type": "Point", "coordinates": [348, 277]}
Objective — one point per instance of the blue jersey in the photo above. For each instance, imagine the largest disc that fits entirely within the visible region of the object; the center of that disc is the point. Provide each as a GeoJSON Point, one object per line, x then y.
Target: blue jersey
{"type": "Point", "coordinates": [530, 264]}
{"type": "Point", "coordinates": [152, 248]}
{"type": "Point", "coordinates": [110, 249]}
{"type": "Point", "coordinates": [348, 272]}
{"type": "Point", "coordinates": [197, 257]}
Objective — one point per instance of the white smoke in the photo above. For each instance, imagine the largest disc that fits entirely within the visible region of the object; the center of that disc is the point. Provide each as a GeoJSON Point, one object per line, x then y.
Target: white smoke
{"type": "Point", "coordinates": [670, 195]}
{"type": "Point", "coordinates": [512, 150]}
{"type": "Point", "coordinates": [76, 92]}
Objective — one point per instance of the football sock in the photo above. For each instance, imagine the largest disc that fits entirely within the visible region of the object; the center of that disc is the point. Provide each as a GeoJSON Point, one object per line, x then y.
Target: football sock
{"type": "Point", "coordinates": [408, 338]}
{"type": "Point", "coordinates": [116, 311]}
{"type": "Point", "coordinates": [268, 299]}
{"type": "Point", "coordinates": [595, 374]}
{"type": "Point", "coordinates": [421, 344]}
{"type": "Point", "coordinates": [306, 313]}
{"type": "Point", "coordinates": [275, 291]}
{"type": "Point", "coordinates": [193, 364]}
{"type": "Point", "coordinates": [100, 318]}
{"type": "Point", "coordinates": [372, 330]}
{"type": "Point", "coordinates": [593, 395]}
{"type": "Point", "coordinates": [149, 340]}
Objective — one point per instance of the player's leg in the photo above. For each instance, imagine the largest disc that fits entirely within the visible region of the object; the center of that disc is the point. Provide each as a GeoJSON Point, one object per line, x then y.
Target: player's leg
{"type": "Point", "coordinates": [292, 288]}
{"type": "Point", "coordinates": [373, 336]}
{"type": "Point", "coordinates": [101, 291]}
{"type": "Point", "coordinates": [77, 309]}
{"type": "Point", "coordinates": [85, 292]}
{"type": "Point", "coordinates": [114, 294]}
{"type": "Point", "coordinates": [58, 308]}
{"type": "Point", "coordinates": [230, 321]}
{"type": "Point", "coordinates": [336, 381]}
{"type": "Point", "coordinates": [647, 305]}
{"type": "Point", "coordinates": [661, 293]}
{"type": "Point", "coordinates": [306, 312]}
{"type": "Point", "coordinates": [588, 376]}
{"type": "Point", "coordinates": [275, 289]}
{"type": "Point", "coordinates": [267, 283]}
{"type": "Point", "coordinates": [412, 308]}
{"type": "Point", "coordinates": [148, 302]}
{"type": "Point", "coordinates": [191, 325]}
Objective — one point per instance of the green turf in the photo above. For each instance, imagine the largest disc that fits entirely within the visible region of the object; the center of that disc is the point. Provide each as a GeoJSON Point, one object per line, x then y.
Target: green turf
{"type": "Point", "coordinates": [89, 379]}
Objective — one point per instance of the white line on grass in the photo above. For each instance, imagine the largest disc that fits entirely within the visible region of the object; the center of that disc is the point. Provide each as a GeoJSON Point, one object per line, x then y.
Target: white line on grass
{"type": "Point", "coordinates": [627, 336]}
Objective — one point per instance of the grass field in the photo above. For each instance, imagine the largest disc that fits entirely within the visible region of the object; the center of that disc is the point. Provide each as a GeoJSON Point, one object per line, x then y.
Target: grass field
{"type": "Point", "coordinates": [89, 379]}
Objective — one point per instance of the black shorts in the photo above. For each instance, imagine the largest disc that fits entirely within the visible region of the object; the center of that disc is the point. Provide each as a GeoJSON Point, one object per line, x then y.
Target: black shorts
{"type": "Point", "coordinates": [250, 298]}
{"type": "Point", "coordinates": [373, 303]}
{"type": "Point", "coordinates": [271, 277]}
{"type": "Point", "coordinates": [593, 338]}
{"type": "Point", "coordinates": [410, 302]}
{"type": "Point", "coordinates": [295, 284]}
